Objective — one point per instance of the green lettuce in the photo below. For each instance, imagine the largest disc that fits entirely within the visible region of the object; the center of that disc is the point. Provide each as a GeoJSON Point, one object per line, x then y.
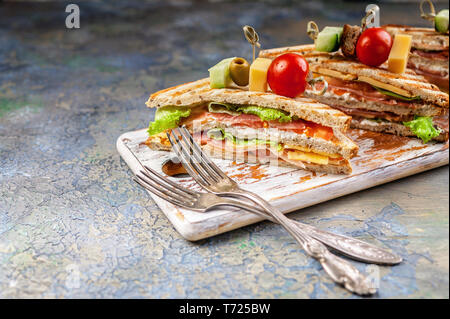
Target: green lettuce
{"type": "Point", "coordinates": [220, 134]}
{"type": "Point", "coordinates": [216, 107]}
{"type": "Point", "coordinates": [397, 96]}
{"type": "Point", "coordinates": [264, 113]}
{"type": "Point", "coordinates": [167, 117]}
{"type": "Point", "coordinates": [423, 127]}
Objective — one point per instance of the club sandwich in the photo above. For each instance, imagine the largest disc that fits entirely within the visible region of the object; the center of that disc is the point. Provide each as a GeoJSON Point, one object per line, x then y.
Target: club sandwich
{"type": "Point", "coordinates": [376, 99]}
{"type": "Point", "coordinates": [256, 127]}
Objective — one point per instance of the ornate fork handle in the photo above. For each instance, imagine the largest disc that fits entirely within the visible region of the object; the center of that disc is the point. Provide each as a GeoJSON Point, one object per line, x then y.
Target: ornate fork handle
{"type": "Point", "coordinates": [341, 271]}
{"type": "Point", "coordinates": [351, 247]}
{"type": "Point", "coordinates": [348, 246]}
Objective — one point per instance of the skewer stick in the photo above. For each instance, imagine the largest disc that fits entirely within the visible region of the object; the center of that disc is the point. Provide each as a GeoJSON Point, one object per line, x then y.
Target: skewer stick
{"type": "Point", "coordinates": [252, 37]}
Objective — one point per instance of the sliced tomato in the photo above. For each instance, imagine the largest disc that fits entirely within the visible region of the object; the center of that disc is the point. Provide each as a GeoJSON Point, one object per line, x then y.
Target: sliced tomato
{"type": "Point", "coordinates": [324, 132]}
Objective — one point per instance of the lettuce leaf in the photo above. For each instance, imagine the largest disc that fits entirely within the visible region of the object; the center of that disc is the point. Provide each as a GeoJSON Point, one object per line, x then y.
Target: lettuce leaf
{"type": "Point", "coordinates": [220, 134]}
{"type": "Point", "coordinates": [216, 107]}
{"type": "Point", "coordinates": [167, 117]}
{"type": "Point", "coordinates": [265, 113]}
{"type": "Point", "coordinates": [423, 127]}
{"type": "Point", "coordinates": [397, 96]}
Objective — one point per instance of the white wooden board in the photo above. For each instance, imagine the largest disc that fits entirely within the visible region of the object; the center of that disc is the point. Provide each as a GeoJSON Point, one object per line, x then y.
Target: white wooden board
{"type": "Point", "coordinates": [382, 158]}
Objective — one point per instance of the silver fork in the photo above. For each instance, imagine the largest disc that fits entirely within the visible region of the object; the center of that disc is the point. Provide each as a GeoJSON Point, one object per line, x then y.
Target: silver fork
{"type": "Point", "coordinates": [204, 202]}
{"type": "Point", "coordinates": [211, 178]}
{"type": "Point", "coordinates": [348, 246]}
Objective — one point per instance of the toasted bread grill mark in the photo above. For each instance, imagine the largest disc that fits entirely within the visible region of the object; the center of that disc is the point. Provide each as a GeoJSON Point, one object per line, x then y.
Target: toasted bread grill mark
{"type": "Point", "coordinates": [187, 87]}
{"type": "Point", "coordinates": [405, 28]}
{"type": "Point", "coordinates": [155, 95]}
{"type": "Point", "coordinates": [199, 92]}
{"type": "Point", "coordinates": [303, 50]}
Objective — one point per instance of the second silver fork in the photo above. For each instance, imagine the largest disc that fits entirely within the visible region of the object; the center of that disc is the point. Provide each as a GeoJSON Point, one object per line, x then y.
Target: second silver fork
{"type": "Point", "coordinates": [204, 202]}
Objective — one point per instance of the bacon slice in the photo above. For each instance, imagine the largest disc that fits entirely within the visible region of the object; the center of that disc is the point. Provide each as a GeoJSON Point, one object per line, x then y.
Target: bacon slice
{"type": "Point", "coordinates": [261, 152]}
{"type": "Point", "coordinates": [298, 125]}
{"type": "Point", "coordinates": [361, 91]}
{"type": "Point", "coordinates": [249, 120]}
{"type": "Point", "coordinates": [441, 55]}
{"type": "Point", "coordinates": [374, 114]}
{"type": "Point", "coordinates": [203, 139]}
{"type": "Point", "coordinates": [440, 80]}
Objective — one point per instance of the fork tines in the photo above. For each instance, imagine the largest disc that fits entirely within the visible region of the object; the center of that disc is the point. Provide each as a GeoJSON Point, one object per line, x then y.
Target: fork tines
{"type": "Point", "coordinates": [164, 188]}
{"type": "Point", "coordinates": [195, 161]}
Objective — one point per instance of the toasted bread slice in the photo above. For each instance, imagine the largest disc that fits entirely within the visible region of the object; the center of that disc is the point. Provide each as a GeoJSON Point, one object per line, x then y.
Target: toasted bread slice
{"type": "Point", "coordinates": [199, 92]}
{"type": "Point", "coordinates": [339, 144]}
{"type": "Point", "coordinates": [428, 64]}
{"type": "Point", "coordinates": [422, 38]}
{"type": "Point", "coordinates": [409, 82]}
{"type": "Point", "coordinates": [329, 98]}
{"type": "Point", "coordinates": [391, 128]}
{"type": "Point", "coordinates": [341, 166]}
{"type": "Point", "coordinates": [350, 36]}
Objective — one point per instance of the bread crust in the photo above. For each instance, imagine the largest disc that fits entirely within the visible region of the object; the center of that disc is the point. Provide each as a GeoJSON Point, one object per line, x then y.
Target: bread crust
{"type": "Point", "coordinates": [350, 36]}
{"type": "Point", "coordinates": [422, 38]}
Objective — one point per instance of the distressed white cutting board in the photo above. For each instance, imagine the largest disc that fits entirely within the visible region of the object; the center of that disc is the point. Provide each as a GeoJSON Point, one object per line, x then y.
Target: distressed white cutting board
{"type": "Point", "coordinates": [382, 158]}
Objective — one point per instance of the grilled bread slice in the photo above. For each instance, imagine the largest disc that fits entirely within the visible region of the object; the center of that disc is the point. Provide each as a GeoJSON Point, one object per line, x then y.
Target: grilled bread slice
{"type": "Point", "coordinates": [422, 38]}
{"type": "Point", "coordinates": [341, 166]}
{"type": "Point", "coordinates": [199, 92]}
{"type": "Point", "coordinates": [429, 53]}
{"type": "Point", "coordinates": [392, 128]}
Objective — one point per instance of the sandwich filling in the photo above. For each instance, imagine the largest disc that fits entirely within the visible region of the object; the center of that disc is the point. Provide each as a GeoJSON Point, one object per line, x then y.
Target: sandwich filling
{"type": "Point", "coordinates": [433, 65]}
{"type": "Point", "coordinates": [247, 132]}
{"type": "Point", "coordinates": [364, 101]}
{"type": "Point", "coordinates": [429, 53]}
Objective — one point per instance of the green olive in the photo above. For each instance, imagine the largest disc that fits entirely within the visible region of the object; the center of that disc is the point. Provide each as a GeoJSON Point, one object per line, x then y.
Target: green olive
{"type": "Point", "coordinates": [239, 71]}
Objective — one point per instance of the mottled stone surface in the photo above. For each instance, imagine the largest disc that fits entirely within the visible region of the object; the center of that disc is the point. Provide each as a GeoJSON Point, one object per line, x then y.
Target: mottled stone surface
{"type": "Point", "coordinates": [72, 222]}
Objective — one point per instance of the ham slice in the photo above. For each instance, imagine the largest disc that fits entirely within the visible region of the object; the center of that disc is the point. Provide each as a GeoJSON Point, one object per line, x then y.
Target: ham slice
{"type": "Point", "coordinates": [249, 120]}
{"type": "Point", "coordinates": [375, 114]}
{"type": "Point", "coordinates": [441, 55]}
{"type": "Point", "coordinates": [361, 91]}
{"type": "Point", "coordinates": [262, 152]}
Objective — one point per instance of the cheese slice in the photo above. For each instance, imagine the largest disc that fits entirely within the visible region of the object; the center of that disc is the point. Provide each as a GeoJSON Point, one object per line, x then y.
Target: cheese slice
{"type": "Point", "coordinates": [385, 86]}
{"type": "Point", "coordinates": [258, 75]}
{"type": "Point", "coordinates": [309, 150]}
{"type": "Point", "coordinates": [336, 74]}
{"type": "Point", "coordinates": [160, 138]}
{"type": "Point", "coordinates": [307, 157]}
{"type": "Point", "coordinates": [398, 57]}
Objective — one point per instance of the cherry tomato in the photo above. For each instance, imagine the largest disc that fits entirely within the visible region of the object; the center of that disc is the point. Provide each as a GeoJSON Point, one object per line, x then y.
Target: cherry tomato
{"type": "Point", "coordinates": [374, 46]}
{"type": "Point", "coordinates": [287, 75]}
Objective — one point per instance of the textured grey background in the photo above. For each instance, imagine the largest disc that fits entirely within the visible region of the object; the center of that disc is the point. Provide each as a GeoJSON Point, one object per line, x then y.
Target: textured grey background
{"type": "Point", "coordinates": [72, 222]}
